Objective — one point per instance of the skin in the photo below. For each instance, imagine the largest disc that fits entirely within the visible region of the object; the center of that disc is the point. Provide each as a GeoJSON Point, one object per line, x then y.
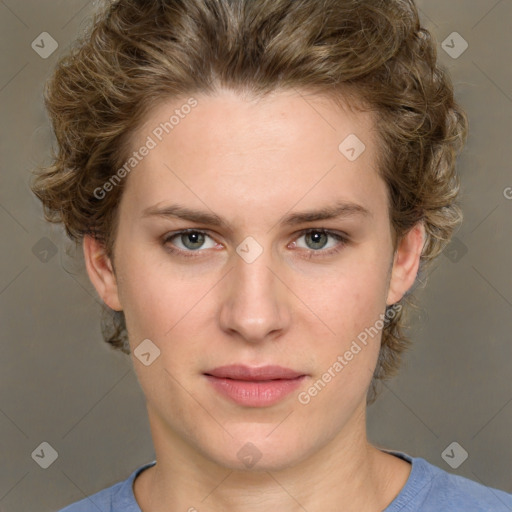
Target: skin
{"type": "Point", "coordinates": [251, 163]}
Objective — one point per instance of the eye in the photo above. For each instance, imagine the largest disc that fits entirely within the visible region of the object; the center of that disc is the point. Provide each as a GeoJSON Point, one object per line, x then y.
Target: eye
{"type": "Point", "coordinates": [317, 242]}
{"type": "Point", "coordinates": [318, 239]}
{"type": "Point", "coordinates": [188, 241]}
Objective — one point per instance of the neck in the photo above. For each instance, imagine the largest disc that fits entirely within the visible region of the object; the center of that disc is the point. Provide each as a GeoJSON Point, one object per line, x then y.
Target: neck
{"type": "Point", "coordinates": [346, 474]}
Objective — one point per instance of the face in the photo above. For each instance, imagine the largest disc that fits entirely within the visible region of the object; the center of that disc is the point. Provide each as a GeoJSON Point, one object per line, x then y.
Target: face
{"type": "Point", "coordinates": [286, 260]}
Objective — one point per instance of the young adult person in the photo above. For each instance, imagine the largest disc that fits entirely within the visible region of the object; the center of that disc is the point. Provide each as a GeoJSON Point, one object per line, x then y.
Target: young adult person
{"type": "Point", "coordinates": [257, 184]}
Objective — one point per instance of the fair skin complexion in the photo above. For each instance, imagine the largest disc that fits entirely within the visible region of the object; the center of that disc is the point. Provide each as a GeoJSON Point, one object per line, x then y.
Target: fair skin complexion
{"type": "Point", "coordinates": [252, 163]}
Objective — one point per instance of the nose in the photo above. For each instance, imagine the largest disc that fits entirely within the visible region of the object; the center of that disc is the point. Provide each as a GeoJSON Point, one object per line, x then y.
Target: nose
{"type": "Point", "coordinates": [255, 303]}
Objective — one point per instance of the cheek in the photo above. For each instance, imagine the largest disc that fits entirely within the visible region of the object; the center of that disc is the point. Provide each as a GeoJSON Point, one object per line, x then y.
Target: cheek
{"type": "Point", "coordinates": [347, 360]}
{"type": "Point", "coordinates": [165, 304]}
{"type": "Point", "coordinates": [352, 298]}
{"type": "Point", "coordinates": [352, 305]}
{"type": "Point", "coordinates": [149, 299]}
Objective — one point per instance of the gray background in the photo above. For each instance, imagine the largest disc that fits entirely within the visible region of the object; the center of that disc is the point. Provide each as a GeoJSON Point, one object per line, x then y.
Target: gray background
{"type": "Point", "coordinates": [61, 384]}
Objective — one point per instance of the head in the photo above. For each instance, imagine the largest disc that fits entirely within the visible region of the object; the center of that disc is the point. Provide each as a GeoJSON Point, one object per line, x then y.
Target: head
{"type": "Point", "coordinates": [251, 112]}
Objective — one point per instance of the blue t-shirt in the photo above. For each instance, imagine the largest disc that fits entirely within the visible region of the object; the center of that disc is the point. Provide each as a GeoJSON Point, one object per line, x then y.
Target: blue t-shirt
{"type": "Point", "coordinates": [428, 489]}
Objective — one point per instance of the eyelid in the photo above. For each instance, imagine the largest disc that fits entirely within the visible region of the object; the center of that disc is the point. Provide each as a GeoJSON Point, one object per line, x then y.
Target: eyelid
{"type": "Point", "coordinates": [341, 237]}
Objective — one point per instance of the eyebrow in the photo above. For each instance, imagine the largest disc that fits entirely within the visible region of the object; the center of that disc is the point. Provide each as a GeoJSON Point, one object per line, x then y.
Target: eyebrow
{"type": "Point", "coordinates": [340, 209]}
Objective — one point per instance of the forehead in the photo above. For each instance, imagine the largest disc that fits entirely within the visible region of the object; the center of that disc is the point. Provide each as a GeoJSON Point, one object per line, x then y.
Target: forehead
{"type": "Point", "coordinates": [276, 120]}
{"type": "Point", "coordinates": [282, 147]}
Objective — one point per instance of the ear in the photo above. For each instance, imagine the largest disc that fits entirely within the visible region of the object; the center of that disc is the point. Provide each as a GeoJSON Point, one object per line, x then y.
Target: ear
{"type": "Point", "coordinates": [101, 272]}
{"type": "Point", "coordinates": [406, 263]}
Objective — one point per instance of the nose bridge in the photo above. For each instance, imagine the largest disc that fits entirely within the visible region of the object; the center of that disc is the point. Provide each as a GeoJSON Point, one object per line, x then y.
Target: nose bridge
{"type": "Point", "coordinates": [255, 304]}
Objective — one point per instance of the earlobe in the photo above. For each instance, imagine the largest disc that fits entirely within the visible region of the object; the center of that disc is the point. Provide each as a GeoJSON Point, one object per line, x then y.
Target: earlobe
{"type": "Point", "coordinates": [406, 263]}
{"type": "Point", "coordinates": [101, 272]}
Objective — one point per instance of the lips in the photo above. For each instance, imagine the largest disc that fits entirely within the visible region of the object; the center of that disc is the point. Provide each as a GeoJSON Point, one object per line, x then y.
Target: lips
{"type": "Point", "coordinates": [247, 373]}
{"type": "Point", "coordinates": [249, 386]}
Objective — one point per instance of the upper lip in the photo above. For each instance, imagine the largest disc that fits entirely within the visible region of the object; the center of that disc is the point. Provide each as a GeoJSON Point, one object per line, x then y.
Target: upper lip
{"type": "Point", "coordinates": [242, 372]}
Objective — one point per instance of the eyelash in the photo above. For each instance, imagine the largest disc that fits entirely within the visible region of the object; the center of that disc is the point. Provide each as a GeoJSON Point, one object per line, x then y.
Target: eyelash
{"type": "Point", "coordinates": [310, 253]}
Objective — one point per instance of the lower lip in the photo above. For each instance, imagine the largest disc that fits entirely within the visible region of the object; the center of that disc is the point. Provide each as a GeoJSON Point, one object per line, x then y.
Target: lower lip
{"type": "Point", "coordinates": [255, 393]}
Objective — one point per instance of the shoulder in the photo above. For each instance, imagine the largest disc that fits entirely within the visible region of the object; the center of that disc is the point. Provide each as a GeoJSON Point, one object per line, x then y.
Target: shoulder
{"type": "Point", "coordinates": [101, 501]}
{"type": "Point", "coordinates": [431, 489]}
{"type": "Point", "coordinates": [449, 490]}
{"type": "Point", "coordinates": [117, 498]}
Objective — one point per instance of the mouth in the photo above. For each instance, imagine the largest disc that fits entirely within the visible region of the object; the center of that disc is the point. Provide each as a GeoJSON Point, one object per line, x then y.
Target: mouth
{"type": "Point", "coordinates": [254, 386]}
{"type": "Point", "coordinates": [248, 373]}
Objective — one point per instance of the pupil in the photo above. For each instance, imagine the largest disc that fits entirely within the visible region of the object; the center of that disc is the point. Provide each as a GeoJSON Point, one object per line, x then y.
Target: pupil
{"type": "Point", "coordinates": [193, 240]}
{"type": "Point", "coordinates": [317, 236]}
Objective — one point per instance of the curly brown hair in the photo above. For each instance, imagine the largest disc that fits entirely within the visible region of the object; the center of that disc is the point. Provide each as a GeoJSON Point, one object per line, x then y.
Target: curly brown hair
{"type": "Point", "coordinates": [136, 53]}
